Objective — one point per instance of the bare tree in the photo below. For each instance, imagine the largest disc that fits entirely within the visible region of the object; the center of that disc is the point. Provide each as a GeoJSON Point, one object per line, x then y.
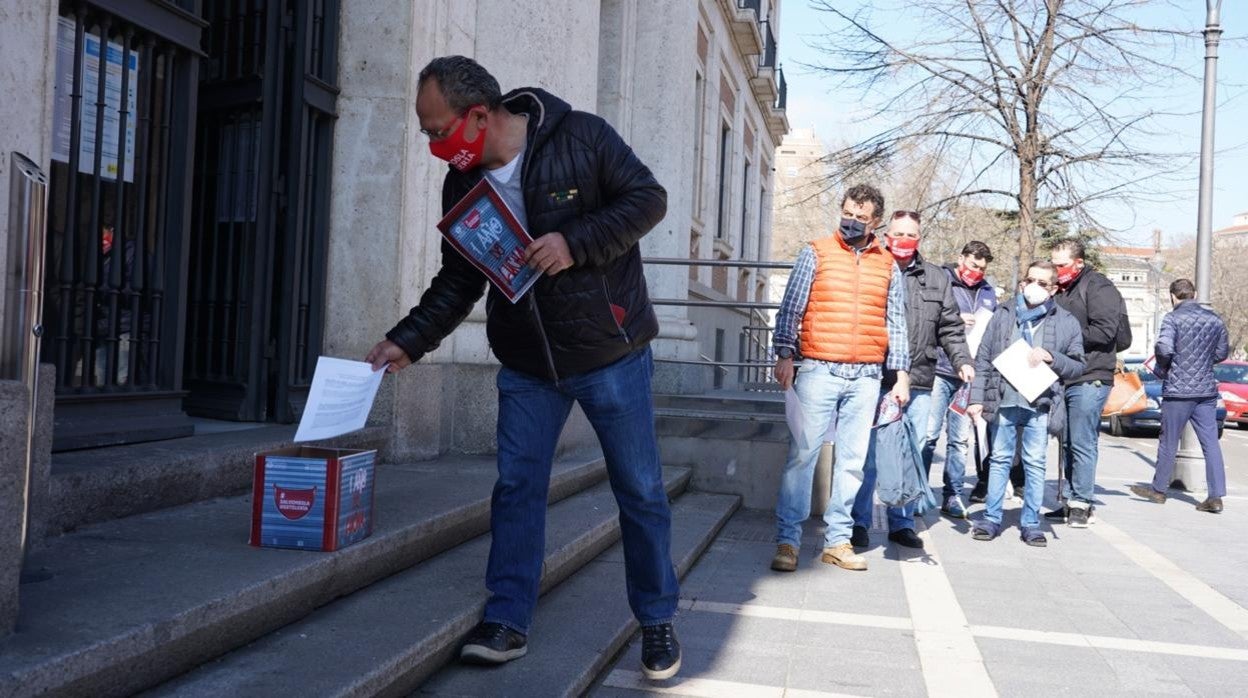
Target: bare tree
{"type": "Point", "coordinates": [1038, 104]}
{"type": "Point", "coordinates": [1230, 295]}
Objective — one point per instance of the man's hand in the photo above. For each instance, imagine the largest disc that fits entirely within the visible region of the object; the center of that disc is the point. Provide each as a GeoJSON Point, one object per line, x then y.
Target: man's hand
{"type": "Point", "coordinates": [968, 319]}
{"type": "Point", "coordinates": [1038, 356]}
{"type": "Point", "coordinates": [784, 373]}
{"type": "Point", "coordinates": [387, 352]}
{"type": "Point", "coordinates": [975, 412]}
{"type": "Point", "coordinates": [967, 373]}
{"type": "Point", "coordinates": [549, 254]}
{"type": "Point", "coordinates": [901, 389]}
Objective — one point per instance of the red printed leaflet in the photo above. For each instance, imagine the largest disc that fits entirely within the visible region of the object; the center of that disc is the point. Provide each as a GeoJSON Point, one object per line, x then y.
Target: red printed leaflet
{"type": "Point", "coordinates": [485, 231]}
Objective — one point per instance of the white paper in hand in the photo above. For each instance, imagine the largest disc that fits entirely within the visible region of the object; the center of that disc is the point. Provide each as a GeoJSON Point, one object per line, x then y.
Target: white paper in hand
{"type": "Point", "coordinates": [340, 399]}
{"type": "Point", "coordinates": [976, 335]}
{"type": "Point", "coordinates": [1014, 365]}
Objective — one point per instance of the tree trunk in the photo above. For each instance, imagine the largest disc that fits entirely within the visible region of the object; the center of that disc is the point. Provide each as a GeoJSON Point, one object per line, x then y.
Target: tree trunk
{"type": "Point", "coordinates": [1026, 214]}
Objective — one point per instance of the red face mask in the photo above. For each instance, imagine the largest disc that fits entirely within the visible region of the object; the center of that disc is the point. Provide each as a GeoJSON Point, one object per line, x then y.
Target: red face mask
{"type": "Point", "coordinates": [969, 276]}
{"type": "Point", "coordinates": [1067, 274]}
{"type": "Point", "coordinates": [903, 248]}
{"type": "Point", "coordinates": [455, 149]}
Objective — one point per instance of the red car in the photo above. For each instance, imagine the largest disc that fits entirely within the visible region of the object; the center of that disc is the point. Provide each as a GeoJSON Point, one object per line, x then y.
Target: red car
{"type": "Point", "coordinates": [1233, 385]}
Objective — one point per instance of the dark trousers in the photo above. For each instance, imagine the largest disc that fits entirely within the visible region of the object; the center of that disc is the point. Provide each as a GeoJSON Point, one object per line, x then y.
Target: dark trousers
{"type": "Point", "coordinates": [1202, 413]}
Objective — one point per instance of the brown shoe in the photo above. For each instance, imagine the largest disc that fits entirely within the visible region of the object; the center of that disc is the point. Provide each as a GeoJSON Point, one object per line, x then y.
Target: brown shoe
{"type": "Point", "coordinates": [843, 556]}
{"type": "Point", "coordinates": [1213, 505]}
{"type": "Point", "coordinates": [1147, 492]}
{"type": "Point", "coordinates": [785, 559]}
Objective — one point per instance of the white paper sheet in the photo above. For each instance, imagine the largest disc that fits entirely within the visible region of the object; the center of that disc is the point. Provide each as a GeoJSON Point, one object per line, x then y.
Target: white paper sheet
{"type": "Point", "coordinates": [981, 433]}
{"type": "Point", "coordinates": [976, 333]}
{"type": "Point", "coordinates": [1030, 381]}
{"type": "Point", "coordinates": [340, 399]}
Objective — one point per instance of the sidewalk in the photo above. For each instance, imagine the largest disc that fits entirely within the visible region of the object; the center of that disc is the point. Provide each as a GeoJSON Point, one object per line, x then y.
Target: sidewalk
{"type": "Point", "coordinates": [1149, 600]}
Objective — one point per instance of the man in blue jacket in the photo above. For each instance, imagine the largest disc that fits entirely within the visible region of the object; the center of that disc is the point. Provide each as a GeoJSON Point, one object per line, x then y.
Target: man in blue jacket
{"type": "Point", "coordinates": [1192, 339]}
{"type": "Point", "coordinates": [1055, 339]}
{"type": "Point", "coordinates": [972, 293]}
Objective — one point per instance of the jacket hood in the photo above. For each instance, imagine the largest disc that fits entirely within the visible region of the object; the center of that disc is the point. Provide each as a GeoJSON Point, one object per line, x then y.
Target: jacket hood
{"type": "Point", "coordinates": [545, 111]}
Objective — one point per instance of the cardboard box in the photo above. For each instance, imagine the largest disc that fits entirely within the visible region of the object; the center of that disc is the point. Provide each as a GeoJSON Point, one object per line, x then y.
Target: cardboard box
{"type": "Point", "coordinates": [312, 498]}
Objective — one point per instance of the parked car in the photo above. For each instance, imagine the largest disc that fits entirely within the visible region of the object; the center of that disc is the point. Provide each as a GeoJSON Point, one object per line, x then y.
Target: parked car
{"type": "Point", "coordinates": [1233, 385]}
{"type": "Point", "coordinates": [1149, 421]}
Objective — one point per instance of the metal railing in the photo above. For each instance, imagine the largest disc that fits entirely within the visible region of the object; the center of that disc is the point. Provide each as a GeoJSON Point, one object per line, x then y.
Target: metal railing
{"type": "Point", "coordinates": [768, 59]}
{"type": "Point", "coordinates": [782, 98]}
{"type": "Point", "coordinates": [754, 353]}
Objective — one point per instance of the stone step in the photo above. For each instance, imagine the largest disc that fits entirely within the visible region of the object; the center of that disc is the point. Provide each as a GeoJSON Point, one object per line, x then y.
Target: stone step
{"type": "Point", "coordinates": [388, 638]}
{"type": "Point", "coordinates": [128, 603]}
{"type": "Point", "coordinates": [724, 401]}
{"type": "Point", "coordinates": [584, 622]}
{"type": "Point", "coordinates": [99, 484]}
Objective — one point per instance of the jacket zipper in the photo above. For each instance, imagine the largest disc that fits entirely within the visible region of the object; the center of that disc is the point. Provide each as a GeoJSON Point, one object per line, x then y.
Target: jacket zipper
{"type": "Point", "coordinates": [541, 331]}
{"type": "Point", "coordinates": [606, 292]}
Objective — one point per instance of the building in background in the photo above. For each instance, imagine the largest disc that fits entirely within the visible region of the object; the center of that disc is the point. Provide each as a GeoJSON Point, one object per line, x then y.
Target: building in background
{"type": "Point", "coordinates": [803, 208]}
{"type": "Point", "coordinates": [1140, 276]}
{"type": "Point", "coordinates": [1236, 232]}
{"type": "Point", "coordinates": [262, 194]}
{"type": "Point", "coordinates": [738, 119]}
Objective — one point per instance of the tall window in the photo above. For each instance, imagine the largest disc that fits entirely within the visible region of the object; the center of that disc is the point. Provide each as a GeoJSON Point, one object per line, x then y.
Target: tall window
{"type": "Point", "coordinates": [699, 117]}
{"type": "Point", "coordinates": [725, 151]}
{"type": "Point", "coordinates": [745, 205]}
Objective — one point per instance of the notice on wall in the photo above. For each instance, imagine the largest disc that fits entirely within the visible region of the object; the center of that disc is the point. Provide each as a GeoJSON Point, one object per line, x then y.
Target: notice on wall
{"type": "Point", "coordinates": [111, 57]}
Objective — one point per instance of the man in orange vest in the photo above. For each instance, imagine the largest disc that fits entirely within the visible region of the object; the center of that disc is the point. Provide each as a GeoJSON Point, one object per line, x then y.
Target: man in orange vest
{"type": "Point", "coordinates": [849, 300]}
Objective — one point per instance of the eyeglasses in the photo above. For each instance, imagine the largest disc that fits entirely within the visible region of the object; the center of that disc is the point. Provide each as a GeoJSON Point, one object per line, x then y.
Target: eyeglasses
{"type": "Point", "coordinates": [439, 135]}
{"type": "Point", "coordinates": [1038, 282]}
{"type": "Point", "coordinates": [913, 215]}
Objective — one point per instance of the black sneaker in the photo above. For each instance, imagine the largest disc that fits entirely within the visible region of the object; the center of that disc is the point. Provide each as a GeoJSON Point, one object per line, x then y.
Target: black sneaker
{"type": "Point", "coordinates": [906, 537]}
{"type": "Point", "coordinates": [492, 643]}
{"type": "Point", "coordinates": [979, 494]}
{"type": "Point", "coordinates": [1078, 517]}
{"type": "Point", "coordinates": [859, 538]}
{"type": "Point", "coordinates": [1058, 515]}
{"type": "Point", "coordinates": [660, 652]}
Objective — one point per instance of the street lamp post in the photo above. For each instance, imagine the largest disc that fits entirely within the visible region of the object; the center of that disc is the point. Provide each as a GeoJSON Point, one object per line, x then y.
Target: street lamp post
{"type": "Point", "coordinates": [1189, 465]}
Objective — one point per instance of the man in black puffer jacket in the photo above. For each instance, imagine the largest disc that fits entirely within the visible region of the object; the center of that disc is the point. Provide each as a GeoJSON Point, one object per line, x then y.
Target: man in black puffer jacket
{"type": "Point", "coordinates": [581, 334]}
{"type": "Point", "coordinates": [1192, 339]}
{"type": "Point", "coordinates": [1096, 303]}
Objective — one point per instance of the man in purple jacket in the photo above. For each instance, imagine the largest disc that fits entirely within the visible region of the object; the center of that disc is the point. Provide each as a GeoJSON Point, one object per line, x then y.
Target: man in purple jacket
{"type": "Point", "coordinates": [1192, 339]}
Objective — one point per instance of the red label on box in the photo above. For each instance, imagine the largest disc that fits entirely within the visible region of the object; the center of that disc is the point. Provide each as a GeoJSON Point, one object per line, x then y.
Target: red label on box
{"type": "Point", "coordinates": [294, 504]}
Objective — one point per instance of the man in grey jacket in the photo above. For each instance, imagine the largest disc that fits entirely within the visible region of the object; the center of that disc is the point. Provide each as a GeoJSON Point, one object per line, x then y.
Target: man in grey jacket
{"type": "Point", "coordinates": [1192, 339]}
{"type": "Point", "coordinates": [1056, 339]}
{"type": "Point", "coordinates": [932, 321]}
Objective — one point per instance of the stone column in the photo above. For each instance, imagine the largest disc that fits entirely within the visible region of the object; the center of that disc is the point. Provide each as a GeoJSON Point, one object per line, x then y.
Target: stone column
{"type": "Point", "coordinates": [658, 120]}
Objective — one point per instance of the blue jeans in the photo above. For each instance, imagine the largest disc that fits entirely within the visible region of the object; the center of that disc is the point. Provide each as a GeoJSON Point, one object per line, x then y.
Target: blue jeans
{"type": "Point", "coordinates": [898, 517]}
{"type": "Point", "coordinates": [1035, 437]}
{"type": "Point", "coordinates": [852, 404]}
{"type": "Point", "coordinates": [1084, 403]}
{"type": "Point", "coordinates": [531, 414]}
{"type": "Point", "coordinates": [957, 435]}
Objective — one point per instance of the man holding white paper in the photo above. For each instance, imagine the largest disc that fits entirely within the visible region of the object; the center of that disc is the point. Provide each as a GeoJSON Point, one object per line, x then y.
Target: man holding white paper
{"type": "Point", "coordinates": [977, 300]}
{"type": "Point", "coordinates": [580, 335]}
{"type": "Point", "coordinates": [1030, 346]}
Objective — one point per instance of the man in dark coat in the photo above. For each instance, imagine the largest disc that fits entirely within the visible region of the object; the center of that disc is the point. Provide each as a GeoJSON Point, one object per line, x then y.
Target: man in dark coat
{"type": "Point", "coordinates": [581, 334]}
{"type": "Point", "coordinates": [1052, 336]}
{"type": "Point", "coordinates": [1096, 303]}
{"type": "Point", "coordinates": [932, 323]}
{"type": "Point", "coordinates": [1192, 339]}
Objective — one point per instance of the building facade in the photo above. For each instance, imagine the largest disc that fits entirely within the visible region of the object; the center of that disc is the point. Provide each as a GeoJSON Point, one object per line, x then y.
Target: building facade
{"type": "Point", "coordinates": [262, 194]}
{"type": "Point", "coordinates": [1139, 274]}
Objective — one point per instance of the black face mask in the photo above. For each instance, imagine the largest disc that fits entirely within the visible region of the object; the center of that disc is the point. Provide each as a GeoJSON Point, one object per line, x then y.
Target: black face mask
{"type": "Point", "coordinates": [852, 230]}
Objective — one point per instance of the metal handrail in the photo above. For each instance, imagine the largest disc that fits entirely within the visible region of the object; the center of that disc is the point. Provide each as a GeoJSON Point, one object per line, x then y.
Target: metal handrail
{"type": "Point", "coordinates": [747, 263]}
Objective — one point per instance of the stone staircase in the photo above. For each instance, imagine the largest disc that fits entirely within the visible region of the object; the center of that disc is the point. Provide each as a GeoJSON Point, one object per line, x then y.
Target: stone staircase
{"type": "Point", "coordinates": [172, 600]}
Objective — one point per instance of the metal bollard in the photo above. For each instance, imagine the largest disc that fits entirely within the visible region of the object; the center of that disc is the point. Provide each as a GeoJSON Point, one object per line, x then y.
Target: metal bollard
{"type": "Point", "coordinates": [822, 489]}
{"type": "Point", "coordinates": [23, 298]}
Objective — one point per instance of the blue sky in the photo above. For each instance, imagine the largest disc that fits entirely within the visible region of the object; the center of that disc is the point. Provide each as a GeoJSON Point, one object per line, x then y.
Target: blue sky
{"type": "Point", "coordinates": [811, 103]}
